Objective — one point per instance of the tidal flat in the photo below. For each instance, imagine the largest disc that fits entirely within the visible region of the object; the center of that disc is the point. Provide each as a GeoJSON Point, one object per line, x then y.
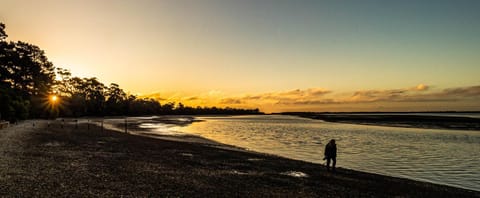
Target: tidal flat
{"type": "Point", "coordinates": [63, 160]}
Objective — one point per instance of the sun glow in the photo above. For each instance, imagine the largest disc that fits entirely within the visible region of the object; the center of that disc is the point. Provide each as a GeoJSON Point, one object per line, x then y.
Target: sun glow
{"type": "Point", "coordinates": [52, 105]}
{"type": "Point", "coordinates": [53, 98]}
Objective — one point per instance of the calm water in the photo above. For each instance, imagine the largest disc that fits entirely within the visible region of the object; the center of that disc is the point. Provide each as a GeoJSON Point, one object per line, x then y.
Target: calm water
{"type": "Point", "coordinates": [449, 157]}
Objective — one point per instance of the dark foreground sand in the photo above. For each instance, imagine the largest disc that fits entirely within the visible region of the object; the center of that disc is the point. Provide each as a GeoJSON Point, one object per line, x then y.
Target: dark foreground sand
{"type": "Point", "coordinates": [53, 161]}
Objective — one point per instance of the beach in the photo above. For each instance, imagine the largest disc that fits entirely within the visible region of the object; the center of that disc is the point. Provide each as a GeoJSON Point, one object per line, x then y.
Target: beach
{"type": "Point", "coordinates": [42, 159]}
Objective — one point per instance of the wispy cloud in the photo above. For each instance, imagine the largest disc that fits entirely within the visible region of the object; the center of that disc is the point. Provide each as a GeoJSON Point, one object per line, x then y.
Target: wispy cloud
{"type": "Point", "coordinates": [450, 94]}
{"type": "Point", "coordinates": [192, 98]}
{"type": "Point", "coordinates": [316, 96]}
{"type": "Point", "coordinates": [231, 101]}
{"type": "Point", "coordinates": [210, 98]}
{"type": "Point", "coordinates": [285, 97]}
{"type": "Point", "coordinates": [320, 98]}
{"type": "Point", "coordinates": [473, 91]}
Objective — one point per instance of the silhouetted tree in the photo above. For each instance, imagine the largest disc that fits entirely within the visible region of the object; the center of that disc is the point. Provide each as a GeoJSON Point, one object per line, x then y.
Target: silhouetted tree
{"type": "Point", "coordinates": [116, 98]}
{"type": "Point", "coordinates": [27, 77]}
{"type": "Point", "coordinates": [26, 68]}
{"type": "Point", "coordinates": [95, 96]}
{"type": "Point", "coordinates": [64, 86]}
{"type": "Point", "coordinates": [3, 34]}
{"type": "Point", "coordinates": [167, 108]}
{"type": "Point", "coordinates": [12, 106]}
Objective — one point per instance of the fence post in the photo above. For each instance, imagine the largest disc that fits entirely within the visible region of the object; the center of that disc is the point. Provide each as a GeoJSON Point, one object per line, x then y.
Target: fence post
{"type": "Point", "coordinates": [126, 125]}
{"type": "Point", "coordinates": [102, 126]}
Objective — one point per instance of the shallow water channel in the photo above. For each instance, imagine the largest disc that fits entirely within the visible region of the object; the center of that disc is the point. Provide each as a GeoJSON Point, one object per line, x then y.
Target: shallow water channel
{"type": "Point", "coordinates": [448, 157]}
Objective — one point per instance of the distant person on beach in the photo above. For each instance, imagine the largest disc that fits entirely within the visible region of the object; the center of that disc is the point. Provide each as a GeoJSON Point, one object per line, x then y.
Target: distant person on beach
{"type": "Point", "coordinates": [331, 154]}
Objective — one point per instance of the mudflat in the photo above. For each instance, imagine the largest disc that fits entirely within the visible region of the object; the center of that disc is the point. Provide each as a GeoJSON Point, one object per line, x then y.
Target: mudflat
{"type": "Point", "coordinates": [399, 120]}
{"type": "Point", "coordinates": [47, 160]}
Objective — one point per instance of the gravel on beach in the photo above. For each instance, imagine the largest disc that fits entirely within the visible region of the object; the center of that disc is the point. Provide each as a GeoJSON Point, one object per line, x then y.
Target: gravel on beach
{"type": "Point", "coordinates": [52, 161]}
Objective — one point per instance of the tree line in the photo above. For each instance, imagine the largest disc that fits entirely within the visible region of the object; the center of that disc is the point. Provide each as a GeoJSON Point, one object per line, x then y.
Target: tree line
{"type": "Point", "coordinates": [28, 79]}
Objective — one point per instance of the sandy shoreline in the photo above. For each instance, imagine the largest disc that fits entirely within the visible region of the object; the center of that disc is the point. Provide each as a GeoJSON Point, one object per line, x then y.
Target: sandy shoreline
{"type": "Point", "coordinates": [46, 161]}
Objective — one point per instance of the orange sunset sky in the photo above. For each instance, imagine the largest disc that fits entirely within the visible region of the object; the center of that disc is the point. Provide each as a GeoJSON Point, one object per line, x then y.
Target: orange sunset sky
{"type": "Point", "coordinates": [276, 55]}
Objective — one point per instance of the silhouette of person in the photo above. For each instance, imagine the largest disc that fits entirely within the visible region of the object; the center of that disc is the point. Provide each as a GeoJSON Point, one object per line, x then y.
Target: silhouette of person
{"type": "Point", "coordinates": [331, 154]}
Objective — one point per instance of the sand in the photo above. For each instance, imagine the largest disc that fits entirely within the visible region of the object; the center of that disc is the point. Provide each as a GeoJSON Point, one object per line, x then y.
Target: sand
{"type": "Point", "coordinates": [48, 161]}
{"type": "Point", "coordinates": [399, 120]}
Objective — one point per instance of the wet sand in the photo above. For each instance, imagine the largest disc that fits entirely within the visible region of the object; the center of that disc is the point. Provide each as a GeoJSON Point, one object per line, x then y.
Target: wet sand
{"type": "Point", "coordinates": [54, 161]}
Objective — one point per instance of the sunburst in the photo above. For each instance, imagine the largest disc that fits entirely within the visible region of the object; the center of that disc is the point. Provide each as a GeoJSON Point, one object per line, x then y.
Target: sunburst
{"type": "Point", "coordinates": [52, 104]}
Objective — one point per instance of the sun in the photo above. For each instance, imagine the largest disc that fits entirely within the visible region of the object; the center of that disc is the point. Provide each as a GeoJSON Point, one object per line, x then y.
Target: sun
{"type": "Point", "coordinates": [52, 105]}
{"type": "Point", "coordinates": [53, 98]}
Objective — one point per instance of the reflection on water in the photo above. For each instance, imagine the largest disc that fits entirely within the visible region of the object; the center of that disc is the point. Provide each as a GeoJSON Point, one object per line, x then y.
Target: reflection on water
{"type": "Point", "coordinates": [439, 156]}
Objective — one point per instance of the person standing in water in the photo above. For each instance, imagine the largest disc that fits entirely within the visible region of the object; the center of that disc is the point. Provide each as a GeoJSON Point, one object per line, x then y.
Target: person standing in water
{"type": "Point", "coordinates": [331, 154]}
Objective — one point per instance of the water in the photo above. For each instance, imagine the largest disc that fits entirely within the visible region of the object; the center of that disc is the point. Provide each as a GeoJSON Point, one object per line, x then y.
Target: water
{"type": "Point", "coordinates": [448, 157]}
{"type": "Point", "coordinates": [447, 114]}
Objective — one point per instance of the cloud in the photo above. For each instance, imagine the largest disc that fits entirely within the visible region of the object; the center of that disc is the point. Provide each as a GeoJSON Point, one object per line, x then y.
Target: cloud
{"type": "Point", "coordinates": [394, 95]}
{"type": "Point", "coordinates": [318, 96]}
{"type": "Point", "coordinates": [420, 87]}
{"type": "Point", "coordinates": [416, 97]}
{"type": "Point", "coordinates": [231, 101]}
{"type": "Point", "coordinates": [192, 98]}
{"type": "Point", "coordinates": [473, 91]}
{"type": "Point", "coordinates": [312, 102]}
{"type": "Point", "coordinates": [209, 98]}
{"type": "Point", "coordinates": [285, 97]}
{"type": "Point", "coordinates": [376, 95]}
{"type": "Point", "coordinates": [156, 96]}
{"type": "Point", "coordinates": [412, 95]}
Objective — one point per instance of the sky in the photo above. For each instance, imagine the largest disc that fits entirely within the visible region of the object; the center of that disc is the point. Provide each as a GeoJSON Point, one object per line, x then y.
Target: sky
{"type": "Point", "coordinates": [277, 55]}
